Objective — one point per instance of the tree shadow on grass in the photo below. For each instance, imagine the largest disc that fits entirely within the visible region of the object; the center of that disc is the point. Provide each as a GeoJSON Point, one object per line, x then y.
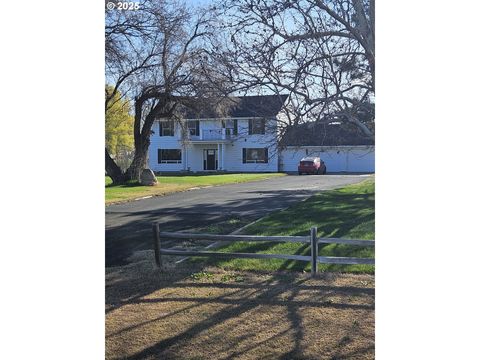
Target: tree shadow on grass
{"type": "Point", "coordinates": [231, 308]}
{"type": "Point", "coordinates": [150, 287]}
{"type": "Point", "coordinates": [128, 184]}
{"type": "Point", "coordinates": [338, 215]}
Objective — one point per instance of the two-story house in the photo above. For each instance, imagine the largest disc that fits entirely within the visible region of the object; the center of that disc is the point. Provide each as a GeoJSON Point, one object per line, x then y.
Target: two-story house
{"type": "Point", "coordinates": [243, 141]}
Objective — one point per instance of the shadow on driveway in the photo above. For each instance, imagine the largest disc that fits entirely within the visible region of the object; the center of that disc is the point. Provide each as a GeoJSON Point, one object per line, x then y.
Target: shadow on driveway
{"type": "Point", "coordinates": [134, 229]}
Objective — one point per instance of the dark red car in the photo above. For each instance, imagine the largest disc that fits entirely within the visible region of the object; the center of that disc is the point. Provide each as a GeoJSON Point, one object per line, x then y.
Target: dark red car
{"type": "Point", "coordinates": [312, 165]}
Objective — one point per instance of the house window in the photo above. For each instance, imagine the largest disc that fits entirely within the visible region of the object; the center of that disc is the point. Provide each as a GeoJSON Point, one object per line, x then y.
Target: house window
{"type": "Point", "coordinates": [230, 126]}
{"type": "Point", "coordinates": [169, 156]}
{"type": "Point", "coordinates": [166, 128]}
{"type": "Point", "coordinates": [255, 155]}
{"type": "Point", "coordinates": [194, 127]}
{"type": "Point", "coordinates": [256, 126]}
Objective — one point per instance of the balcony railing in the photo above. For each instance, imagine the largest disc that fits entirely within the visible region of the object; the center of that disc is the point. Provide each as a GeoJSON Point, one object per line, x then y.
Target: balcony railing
{"type": "Point", "coordinates": [216, 134]}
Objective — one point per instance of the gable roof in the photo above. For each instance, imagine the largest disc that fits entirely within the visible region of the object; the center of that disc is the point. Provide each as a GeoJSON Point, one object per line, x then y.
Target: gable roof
{"type": "Point", "coordinates": [321, 134]}
{"type": "Point", "coordinates": [243, 107]}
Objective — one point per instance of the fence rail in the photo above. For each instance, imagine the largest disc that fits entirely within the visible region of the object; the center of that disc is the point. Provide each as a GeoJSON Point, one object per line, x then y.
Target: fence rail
{"type": "Point", "coordinates": [190, 236]}
{"type": "Point", "coordinates": [313, 240]}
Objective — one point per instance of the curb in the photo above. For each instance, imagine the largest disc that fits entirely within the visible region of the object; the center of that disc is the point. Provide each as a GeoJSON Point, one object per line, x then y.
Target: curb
{"type": "Point", "coordinates": [120, 202]}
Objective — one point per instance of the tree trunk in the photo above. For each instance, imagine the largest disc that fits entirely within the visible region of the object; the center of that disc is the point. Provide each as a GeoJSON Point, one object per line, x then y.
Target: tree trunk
{"type": "Point", "coordinates": [113, 170]}
{"type": "Point", "coordinates": [138, 164]}
{"type": "Point", "coordinates": [142, 134]}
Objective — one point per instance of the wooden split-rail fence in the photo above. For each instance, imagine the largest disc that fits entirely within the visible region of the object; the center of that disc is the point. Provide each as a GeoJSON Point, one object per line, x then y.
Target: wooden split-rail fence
{"type": "Point", "coordinates": [313, 240]}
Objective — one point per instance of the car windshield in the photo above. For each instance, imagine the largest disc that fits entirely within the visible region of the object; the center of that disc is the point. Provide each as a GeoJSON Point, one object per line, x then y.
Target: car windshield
{"type": "Point", "coordinates": [306, 163]}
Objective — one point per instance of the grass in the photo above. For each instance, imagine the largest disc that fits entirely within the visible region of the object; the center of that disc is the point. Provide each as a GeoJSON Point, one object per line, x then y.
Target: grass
{"type": "Point", "coordinates": [225, 226]}
{"type": "Point", "coordinates": [171, 184]}
{"type": "Point", "coordinates": [218, 314]}
{"type": "Point", "coordinates": [344, 213]}
{"type": "Point", "coordinates": [202, 312]}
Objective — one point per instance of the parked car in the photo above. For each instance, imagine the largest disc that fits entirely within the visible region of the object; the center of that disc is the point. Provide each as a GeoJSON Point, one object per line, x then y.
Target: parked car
{"type": "Point", "coordinates": [312, 165]}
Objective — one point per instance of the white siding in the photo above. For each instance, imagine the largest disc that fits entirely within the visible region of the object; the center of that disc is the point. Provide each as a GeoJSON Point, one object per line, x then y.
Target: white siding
{"type": "Point", "coordinates": [234, 158]}
{"type": "Point", "coordinates": [195, 156]}
{"type": "Point", "coordinates": [192, 154]}
{"type": "Point", "coordinates": [234, 151]}
{"type": "Point", "coordinates": [337, 158]}
{"type": "Point", "coordinates": [164, 142]}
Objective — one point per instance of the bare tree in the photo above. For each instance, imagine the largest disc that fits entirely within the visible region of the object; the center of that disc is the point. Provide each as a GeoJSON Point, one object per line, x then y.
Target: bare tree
{"type": "Point", "coordinates": [130, 48]}
{"type": "Point", "coordinates": [321, 53]}
{"type": "Point", "coordinates": [171, 70]}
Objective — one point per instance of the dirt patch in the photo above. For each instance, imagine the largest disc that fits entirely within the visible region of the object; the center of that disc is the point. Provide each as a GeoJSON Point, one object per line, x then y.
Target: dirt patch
{"type": "Point", "coordinates": [214, 314]}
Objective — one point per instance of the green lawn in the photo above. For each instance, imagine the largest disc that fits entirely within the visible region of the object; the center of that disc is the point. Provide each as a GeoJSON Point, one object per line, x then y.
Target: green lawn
{"type": "Point", "coordinates": [348, 212]}
{"type": "Point", "coordinates": [170, 184]}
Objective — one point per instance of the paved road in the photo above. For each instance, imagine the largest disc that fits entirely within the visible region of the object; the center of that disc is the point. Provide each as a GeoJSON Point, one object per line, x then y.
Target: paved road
{"type": "Point", "coordinates": [128, 225]}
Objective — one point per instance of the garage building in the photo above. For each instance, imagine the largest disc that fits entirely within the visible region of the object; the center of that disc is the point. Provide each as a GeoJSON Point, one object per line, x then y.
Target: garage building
{"type": "Point", "coordinates": [342, 149]}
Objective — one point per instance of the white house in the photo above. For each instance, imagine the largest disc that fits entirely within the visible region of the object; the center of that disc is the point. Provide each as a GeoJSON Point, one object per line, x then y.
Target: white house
{"type": "Point", "coordinates": [247, 141]}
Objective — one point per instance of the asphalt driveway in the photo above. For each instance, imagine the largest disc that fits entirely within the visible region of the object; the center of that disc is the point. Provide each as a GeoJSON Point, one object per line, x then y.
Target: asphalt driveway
{"type": "Point", "coordinates": [128, 225]}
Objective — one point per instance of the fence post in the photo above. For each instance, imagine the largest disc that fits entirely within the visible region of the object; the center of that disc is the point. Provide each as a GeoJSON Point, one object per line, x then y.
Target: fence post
{"type": "Point", "coordinates": [157, 245]}
{"type": "Point", "coordinates": [314, 249]}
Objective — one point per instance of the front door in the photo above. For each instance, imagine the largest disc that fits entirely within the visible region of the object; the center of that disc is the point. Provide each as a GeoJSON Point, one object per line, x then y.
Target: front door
{"type": "Point", "coordinates": [210, 159]}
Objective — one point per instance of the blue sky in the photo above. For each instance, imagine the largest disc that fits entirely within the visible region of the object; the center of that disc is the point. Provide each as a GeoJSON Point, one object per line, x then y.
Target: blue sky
{"type": "Point", "coordinates": [198, 2]}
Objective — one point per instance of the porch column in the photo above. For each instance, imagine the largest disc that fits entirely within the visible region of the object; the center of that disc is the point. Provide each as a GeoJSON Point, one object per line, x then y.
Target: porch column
{"type": "Point", "coordinates": [223, 156]}
{"type": "Point", "coordinates": [218, 153]}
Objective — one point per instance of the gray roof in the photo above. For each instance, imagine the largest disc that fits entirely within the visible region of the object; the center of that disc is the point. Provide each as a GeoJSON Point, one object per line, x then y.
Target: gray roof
{"type": "Point", "coordinates": [243, 107]}
{"type": "Point", "coordinates": [318, 134]}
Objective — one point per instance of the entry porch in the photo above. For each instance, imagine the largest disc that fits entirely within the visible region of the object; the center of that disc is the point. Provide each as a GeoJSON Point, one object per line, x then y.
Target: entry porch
{"type": "Point", "coordinates": [206, 156]}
